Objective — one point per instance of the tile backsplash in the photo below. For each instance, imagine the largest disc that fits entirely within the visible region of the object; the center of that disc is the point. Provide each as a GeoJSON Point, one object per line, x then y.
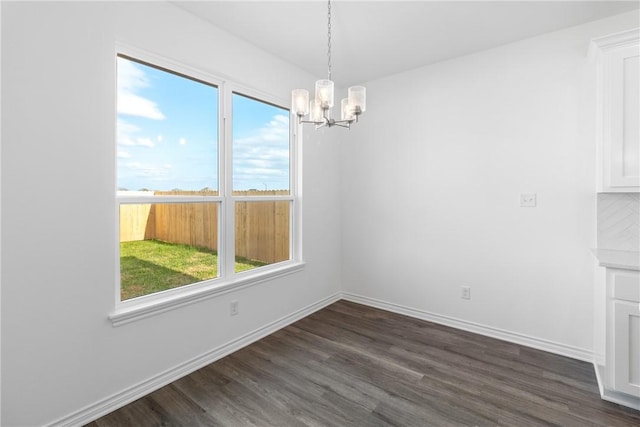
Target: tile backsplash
{"type": "Point", "coordinates": [619, 221]}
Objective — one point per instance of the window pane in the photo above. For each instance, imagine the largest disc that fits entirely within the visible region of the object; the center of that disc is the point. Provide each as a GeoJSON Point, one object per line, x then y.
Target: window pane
{"type": "Point", "coordinates": [260, 146]}
{"type": "Point", "coordinates": [262, 233]}
{"type": "Point", "coordinates": [166, 245]}
{"type": "Point", "coordinates": [167, 130]}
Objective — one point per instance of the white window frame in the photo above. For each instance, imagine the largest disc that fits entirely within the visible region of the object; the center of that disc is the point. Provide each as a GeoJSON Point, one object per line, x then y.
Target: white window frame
{"type": "Point", "coordinates": [228, 280]}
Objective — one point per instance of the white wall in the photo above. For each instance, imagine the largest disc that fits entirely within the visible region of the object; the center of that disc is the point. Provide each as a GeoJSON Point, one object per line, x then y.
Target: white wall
{"type": "Point", "coordinates": [431, 180]}
{"type": "Point", "coordinates": [60, 352]}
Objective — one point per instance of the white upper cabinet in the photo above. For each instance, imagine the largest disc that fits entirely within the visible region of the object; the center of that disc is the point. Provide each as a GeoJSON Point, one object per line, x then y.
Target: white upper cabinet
{"type": "Point", "coordinates": [618, 57]}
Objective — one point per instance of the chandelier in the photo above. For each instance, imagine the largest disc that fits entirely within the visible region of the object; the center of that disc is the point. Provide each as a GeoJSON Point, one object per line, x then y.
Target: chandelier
{"type": "Point", "coordinates": [319, 109]}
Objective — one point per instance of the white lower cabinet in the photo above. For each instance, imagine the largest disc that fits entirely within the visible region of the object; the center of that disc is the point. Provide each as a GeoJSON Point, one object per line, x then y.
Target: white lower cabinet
{"type": "Point", "coordinates": [622, 382]}
{"type": "Point", "coordinates": [627, 347]}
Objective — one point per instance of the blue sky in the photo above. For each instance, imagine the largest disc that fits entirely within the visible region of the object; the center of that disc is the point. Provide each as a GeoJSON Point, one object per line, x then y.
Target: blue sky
{"type": "Point", "coordinates": [167, 134]}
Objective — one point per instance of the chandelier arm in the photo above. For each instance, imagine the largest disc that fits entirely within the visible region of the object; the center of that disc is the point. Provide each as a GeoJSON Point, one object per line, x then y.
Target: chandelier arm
{"type": "Point", "coordinates": [312, 122]}
{"type": "Point", "coordinates": [339, 122]}
{"type": "Point", "coordinates": [325, 115]}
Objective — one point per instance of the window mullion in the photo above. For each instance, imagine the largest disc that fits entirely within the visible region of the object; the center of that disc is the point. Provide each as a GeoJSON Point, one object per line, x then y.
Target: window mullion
{"type": "Point", "coordinates": [263, 198]}
{"type": "Point", "coordinates": [124, 200]}
{"type": "Point", "coordinates": [228, 256]}
{"type": "Point", "coordinates": [296, 188]}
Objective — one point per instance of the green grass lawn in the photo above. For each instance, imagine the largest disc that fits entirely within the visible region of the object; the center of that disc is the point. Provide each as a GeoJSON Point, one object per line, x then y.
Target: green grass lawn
{"type": "Point", "coordinates": [148, 266]}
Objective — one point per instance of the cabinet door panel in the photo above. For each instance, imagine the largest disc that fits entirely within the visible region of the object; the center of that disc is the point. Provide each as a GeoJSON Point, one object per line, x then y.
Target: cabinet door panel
{"type": "Point", "coordinates": [630, 116]}
{"type": "Point", "coordinates": [627, 347]}
{"type": "Point", "coordinates": [618, 99]}
{"type": "Point", "coordinates": [624, 143]}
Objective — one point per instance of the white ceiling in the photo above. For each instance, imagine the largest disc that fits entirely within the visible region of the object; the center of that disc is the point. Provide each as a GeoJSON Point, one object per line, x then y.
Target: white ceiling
{"type": "Point", "coordinates": [373, 39]}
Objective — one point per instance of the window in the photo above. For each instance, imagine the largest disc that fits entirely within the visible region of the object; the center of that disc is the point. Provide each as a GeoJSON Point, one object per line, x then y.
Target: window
{"type": "Point", "coordinates": [261, 156]}
{"type": "Point", "coordinates": [205, 181]}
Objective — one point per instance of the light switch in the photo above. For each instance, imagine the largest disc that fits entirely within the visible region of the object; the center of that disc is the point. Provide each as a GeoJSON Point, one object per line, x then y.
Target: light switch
{"type": "Point", "coordinates": [527, 200]}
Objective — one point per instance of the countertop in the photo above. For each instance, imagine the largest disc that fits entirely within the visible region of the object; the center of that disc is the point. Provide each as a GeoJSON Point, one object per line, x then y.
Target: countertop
{"type": "Point", "coordinates": [627, 260]}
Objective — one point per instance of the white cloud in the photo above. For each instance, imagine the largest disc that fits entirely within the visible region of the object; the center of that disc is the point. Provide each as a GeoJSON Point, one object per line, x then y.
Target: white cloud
{"type": "Point", "coordinates": [123, 154]}
{"type": "Point", "coordinates": [160, 138]}
{"type": "Point", "coordinates": [183, 141]}
{"type": "Point", "coordinates": [276, 130]}
{"type": "Point", "coordinates": [131, 79]}
{"type": "Point", "coordinates": [135, 105]}
{"type": "Point", "coordinates": [145, 142]}
{"type": "Point", "coordinates": [126, 136]}
{"type": "Point", "coordinates": [262, 159]}
{"type": "Point", "coordinates": [125, 132]}
{"type": "Point", "coordinates": [143, 170]}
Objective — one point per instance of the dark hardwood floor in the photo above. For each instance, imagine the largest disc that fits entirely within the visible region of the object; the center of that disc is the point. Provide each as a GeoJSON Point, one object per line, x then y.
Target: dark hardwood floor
{"type": "Point", "coordinates": [352, 365]}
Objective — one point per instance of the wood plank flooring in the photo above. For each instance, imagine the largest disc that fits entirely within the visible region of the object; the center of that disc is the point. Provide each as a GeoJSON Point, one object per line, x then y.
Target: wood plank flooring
{"type": "Point", "coordinates": [352, 365]}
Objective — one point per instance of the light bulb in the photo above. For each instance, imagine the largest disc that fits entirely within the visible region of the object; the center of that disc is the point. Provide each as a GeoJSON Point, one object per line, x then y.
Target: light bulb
{"type": "Point", "coordinates": [316, 111]}
{"type": "Point", "coordinates": [347, 110]}
{"type": "Point", "coordinates": [358, 98]}
{"type": "Point", "coordinates": [324, 93]}
{"type": "Point", "coordinates": [300, 102]}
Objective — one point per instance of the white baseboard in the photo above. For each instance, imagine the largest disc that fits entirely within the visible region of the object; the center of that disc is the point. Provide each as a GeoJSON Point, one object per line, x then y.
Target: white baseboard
{"type": "Point", "coordinates": [621, 399]}
{"type": "Point", "coordinates": [599, 370]}
{"type": "Point", "coordinates": [613, 396]}
{"type": "Point", "coordinates": [118, 400]}
{"type": "Point", "coordinates": [514, 337]}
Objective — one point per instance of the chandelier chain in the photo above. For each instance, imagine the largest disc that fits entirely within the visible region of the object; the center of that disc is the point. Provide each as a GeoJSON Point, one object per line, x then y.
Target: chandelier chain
{"type": "Point", "coordinates": [329, 38]}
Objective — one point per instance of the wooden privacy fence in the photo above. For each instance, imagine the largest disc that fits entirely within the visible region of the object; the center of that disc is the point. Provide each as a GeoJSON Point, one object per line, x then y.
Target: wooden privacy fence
{"type": "Point", "coordinates": [261, 227]}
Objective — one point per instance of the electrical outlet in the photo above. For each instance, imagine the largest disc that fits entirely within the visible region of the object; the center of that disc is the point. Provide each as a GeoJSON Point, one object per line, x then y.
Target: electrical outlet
{"type": "Point", "coordinates": [234, 309]}
{"type": "Point", "coordinates": [466, 292]}
{"type": "Point", "coordinates": [528, 200]}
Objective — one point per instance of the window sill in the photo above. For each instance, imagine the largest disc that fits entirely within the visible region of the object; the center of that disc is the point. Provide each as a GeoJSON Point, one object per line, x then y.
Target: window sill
{"type": "Point", "coordinates": [131, 312]}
